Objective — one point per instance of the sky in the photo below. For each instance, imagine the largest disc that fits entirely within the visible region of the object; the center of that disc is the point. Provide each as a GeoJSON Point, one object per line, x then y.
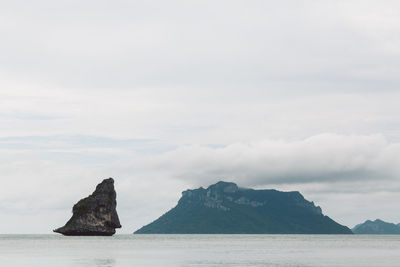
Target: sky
{"type": "Point", "coordinates": [164, 96]}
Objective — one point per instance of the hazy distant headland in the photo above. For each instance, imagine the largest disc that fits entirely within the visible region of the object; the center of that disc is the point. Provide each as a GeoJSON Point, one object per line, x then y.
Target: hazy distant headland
{"type": "Point", "coordinates": [377, 227]}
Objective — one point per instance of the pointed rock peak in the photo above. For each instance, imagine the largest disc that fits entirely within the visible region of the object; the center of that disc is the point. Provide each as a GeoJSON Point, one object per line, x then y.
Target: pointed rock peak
{"type": "Point", "coordinates": [106, 186]}
{"type": "Point", "coordinates": [226, 187]}
{"type": "Point", "coordinates": [95, 214]}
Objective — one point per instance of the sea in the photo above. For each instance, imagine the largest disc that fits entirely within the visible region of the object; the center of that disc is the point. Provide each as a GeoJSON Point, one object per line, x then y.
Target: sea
{"type": "Point", "coordinates": [200, 250]}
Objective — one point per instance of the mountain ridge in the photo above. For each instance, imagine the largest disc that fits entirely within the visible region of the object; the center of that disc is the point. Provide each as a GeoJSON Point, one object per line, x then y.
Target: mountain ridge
{"type": "Point", "coordinates": [225, 208]}
{"type": "Point", "coordinates": [377, 227]}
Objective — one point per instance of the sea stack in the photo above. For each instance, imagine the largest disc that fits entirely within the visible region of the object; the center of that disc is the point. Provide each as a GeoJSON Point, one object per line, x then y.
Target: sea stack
{"type": "Point", "coordinates": [95, 215]}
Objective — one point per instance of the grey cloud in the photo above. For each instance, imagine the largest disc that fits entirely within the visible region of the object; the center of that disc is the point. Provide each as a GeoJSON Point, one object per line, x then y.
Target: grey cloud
{"type": "Point", "coordinates": [72, 141]}
{"type": "Point", "coordinates": [229, 44]}
{"type": "Point", "coordinates": [27, 116]}
{"type": "Point", "coordinates": [81, 149]}
{"type": "Point", "coordinates": [325, 158]}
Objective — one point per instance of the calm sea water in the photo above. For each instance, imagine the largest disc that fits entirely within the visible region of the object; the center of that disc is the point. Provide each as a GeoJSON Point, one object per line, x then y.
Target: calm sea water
{"type": "Point", "coordinates": [199, 250]}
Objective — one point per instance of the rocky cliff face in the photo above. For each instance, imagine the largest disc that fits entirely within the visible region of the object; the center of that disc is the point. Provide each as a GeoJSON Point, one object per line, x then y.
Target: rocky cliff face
{"type": "Point", "coordinates": [224, 193]}
{"type": "Point", "coordinates": [95, 214]}
{"type": "Point", "coordinates": [225, 208]}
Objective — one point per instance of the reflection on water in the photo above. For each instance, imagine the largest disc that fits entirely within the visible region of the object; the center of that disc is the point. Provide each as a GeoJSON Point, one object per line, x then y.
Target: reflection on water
{"type": "Point", "coordinates": [104, 262]}
{"type": "Point", "coordinates": [199, 250]}
{"type": "Point", "coordinates": [88, 262]}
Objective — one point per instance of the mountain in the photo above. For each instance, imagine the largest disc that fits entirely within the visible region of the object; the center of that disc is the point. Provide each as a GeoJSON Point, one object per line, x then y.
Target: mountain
{"type": "Point", "coordinates": [377, 227]}
{"type": "Point", "coordinates": [224, 208]}
{"type": "Point", "coordinates": [95, 214]}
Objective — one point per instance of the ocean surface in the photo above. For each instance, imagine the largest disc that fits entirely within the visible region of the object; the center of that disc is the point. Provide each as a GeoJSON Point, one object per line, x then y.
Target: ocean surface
{"type": "Point", "coordinates": [199, 250]}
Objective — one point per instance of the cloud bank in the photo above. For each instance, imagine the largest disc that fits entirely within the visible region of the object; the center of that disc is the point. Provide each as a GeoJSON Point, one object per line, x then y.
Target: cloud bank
{"type": "Point", "coordinates": [327, 168]}
{"type": "Point", "coordinates": [324, 158]}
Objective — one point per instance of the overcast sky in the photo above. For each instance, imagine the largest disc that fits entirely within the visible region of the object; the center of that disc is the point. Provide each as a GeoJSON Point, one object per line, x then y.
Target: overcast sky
{"type": "Point", "coordinates": [170, 95]}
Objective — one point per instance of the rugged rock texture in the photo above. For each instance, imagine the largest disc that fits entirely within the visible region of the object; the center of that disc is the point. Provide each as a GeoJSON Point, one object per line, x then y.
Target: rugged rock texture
{"type": "Point", "coordinates": [224, 208]}
{"type": "Point", "coordinates": [96, 214]}
{"type": "Point", "coordinates": [377, 227]}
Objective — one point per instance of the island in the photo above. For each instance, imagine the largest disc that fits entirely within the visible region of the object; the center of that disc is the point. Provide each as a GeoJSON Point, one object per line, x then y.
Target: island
{"type": "Point", "coordinates": [377, 227]}
{"type": "Point", "coordinates": [225, 208]}
{"type": "Point", "coordinates": [95, 215]}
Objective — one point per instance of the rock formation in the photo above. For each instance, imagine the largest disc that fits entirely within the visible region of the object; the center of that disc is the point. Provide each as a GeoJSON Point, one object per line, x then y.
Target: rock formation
{"type": "Point", "coordinates": [95, 214]}
{"type": "Point", "coordinates": [225, 208]}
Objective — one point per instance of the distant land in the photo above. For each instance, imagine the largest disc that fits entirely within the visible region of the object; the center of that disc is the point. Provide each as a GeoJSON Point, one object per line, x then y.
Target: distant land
{"type": "Point", "coordinates": [377, 227]}
{"type": "Point", "coordinates": [225, 208]}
